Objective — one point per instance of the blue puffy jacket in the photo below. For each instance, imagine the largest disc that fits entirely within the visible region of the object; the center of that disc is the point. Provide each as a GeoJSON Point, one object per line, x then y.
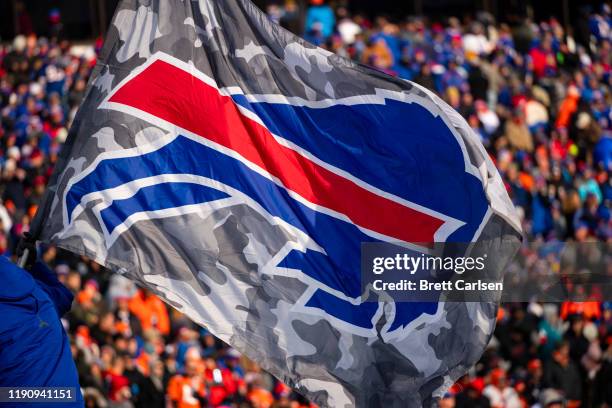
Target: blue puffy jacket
{"type": "Point", "coordinates": [34, 348]}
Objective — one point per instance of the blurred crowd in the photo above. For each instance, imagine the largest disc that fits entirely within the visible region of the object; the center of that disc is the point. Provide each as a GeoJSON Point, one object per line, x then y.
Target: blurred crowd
{"type": "Point", "coordinates": [539, 99]}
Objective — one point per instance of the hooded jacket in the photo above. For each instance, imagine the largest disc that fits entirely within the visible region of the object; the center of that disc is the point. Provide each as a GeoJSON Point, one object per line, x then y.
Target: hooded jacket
{"type": "Point", "coordinates": [34, 348]}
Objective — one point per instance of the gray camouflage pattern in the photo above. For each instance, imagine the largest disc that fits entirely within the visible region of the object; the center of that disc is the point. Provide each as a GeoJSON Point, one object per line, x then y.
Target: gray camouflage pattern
{"type": "Point", "coordinates": [221, 279]}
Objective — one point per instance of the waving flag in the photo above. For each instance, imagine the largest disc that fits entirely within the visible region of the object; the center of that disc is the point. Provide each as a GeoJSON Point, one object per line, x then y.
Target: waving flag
{"type": "Point", "coordinates": [235, 170]}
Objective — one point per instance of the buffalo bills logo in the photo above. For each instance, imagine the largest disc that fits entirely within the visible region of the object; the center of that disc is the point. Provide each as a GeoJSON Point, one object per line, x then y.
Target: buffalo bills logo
{"type": "Point", "coordinates": [378, 167]}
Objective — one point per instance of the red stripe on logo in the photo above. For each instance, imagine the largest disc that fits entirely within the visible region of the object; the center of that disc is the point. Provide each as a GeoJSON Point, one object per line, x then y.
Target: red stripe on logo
{"type": "Point", "coordinates": [174, 95]}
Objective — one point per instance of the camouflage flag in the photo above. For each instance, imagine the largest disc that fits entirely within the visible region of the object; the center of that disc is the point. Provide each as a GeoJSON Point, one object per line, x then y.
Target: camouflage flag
{"type": "Point", "coordinates": [235, 169]}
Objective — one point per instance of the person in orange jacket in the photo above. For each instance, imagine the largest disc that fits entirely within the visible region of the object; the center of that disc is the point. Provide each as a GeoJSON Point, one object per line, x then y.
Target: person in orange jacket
{"type": "Point", "coordinates": [188, 390]}
{"type": "Point", "coordinates": [151, 311]}
{"type": "Point", "coordinates": [568, 107]}
{"type": "Point", "coordinates": [588, 309]}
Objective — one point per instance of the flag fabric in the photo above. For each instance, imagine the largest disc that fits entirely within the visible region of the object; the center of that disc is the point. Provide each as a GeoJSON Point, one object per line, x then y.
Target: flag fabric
{"type": "Point", "coordinates": [235, 169]}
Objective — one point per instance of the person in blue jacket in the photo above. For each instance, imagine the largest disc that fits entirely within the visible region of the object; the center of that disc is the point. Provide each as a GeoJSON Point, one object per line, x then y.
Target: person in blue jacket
{"type": "Point", "coordinates": [320, 16]}
{"type": "Point", "coordinates": [34, 347]}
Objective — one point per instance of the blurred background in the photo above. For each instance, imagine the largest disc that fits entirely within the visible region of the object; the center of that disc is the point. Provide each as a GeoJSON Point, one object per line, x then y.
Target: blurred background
{"type": "Point", "coordinates": [87, 19]}
{"type": "Point", "coordinates": [532, 78]}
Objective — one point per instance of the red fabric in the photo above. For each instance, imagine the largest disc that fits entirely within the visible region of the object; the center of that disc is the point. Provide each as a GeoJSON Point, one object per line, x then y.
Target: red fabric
{"type": "Point", "coordinates": [116, 384]}
{"type": "Point", "coordinates": [174, 95]}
